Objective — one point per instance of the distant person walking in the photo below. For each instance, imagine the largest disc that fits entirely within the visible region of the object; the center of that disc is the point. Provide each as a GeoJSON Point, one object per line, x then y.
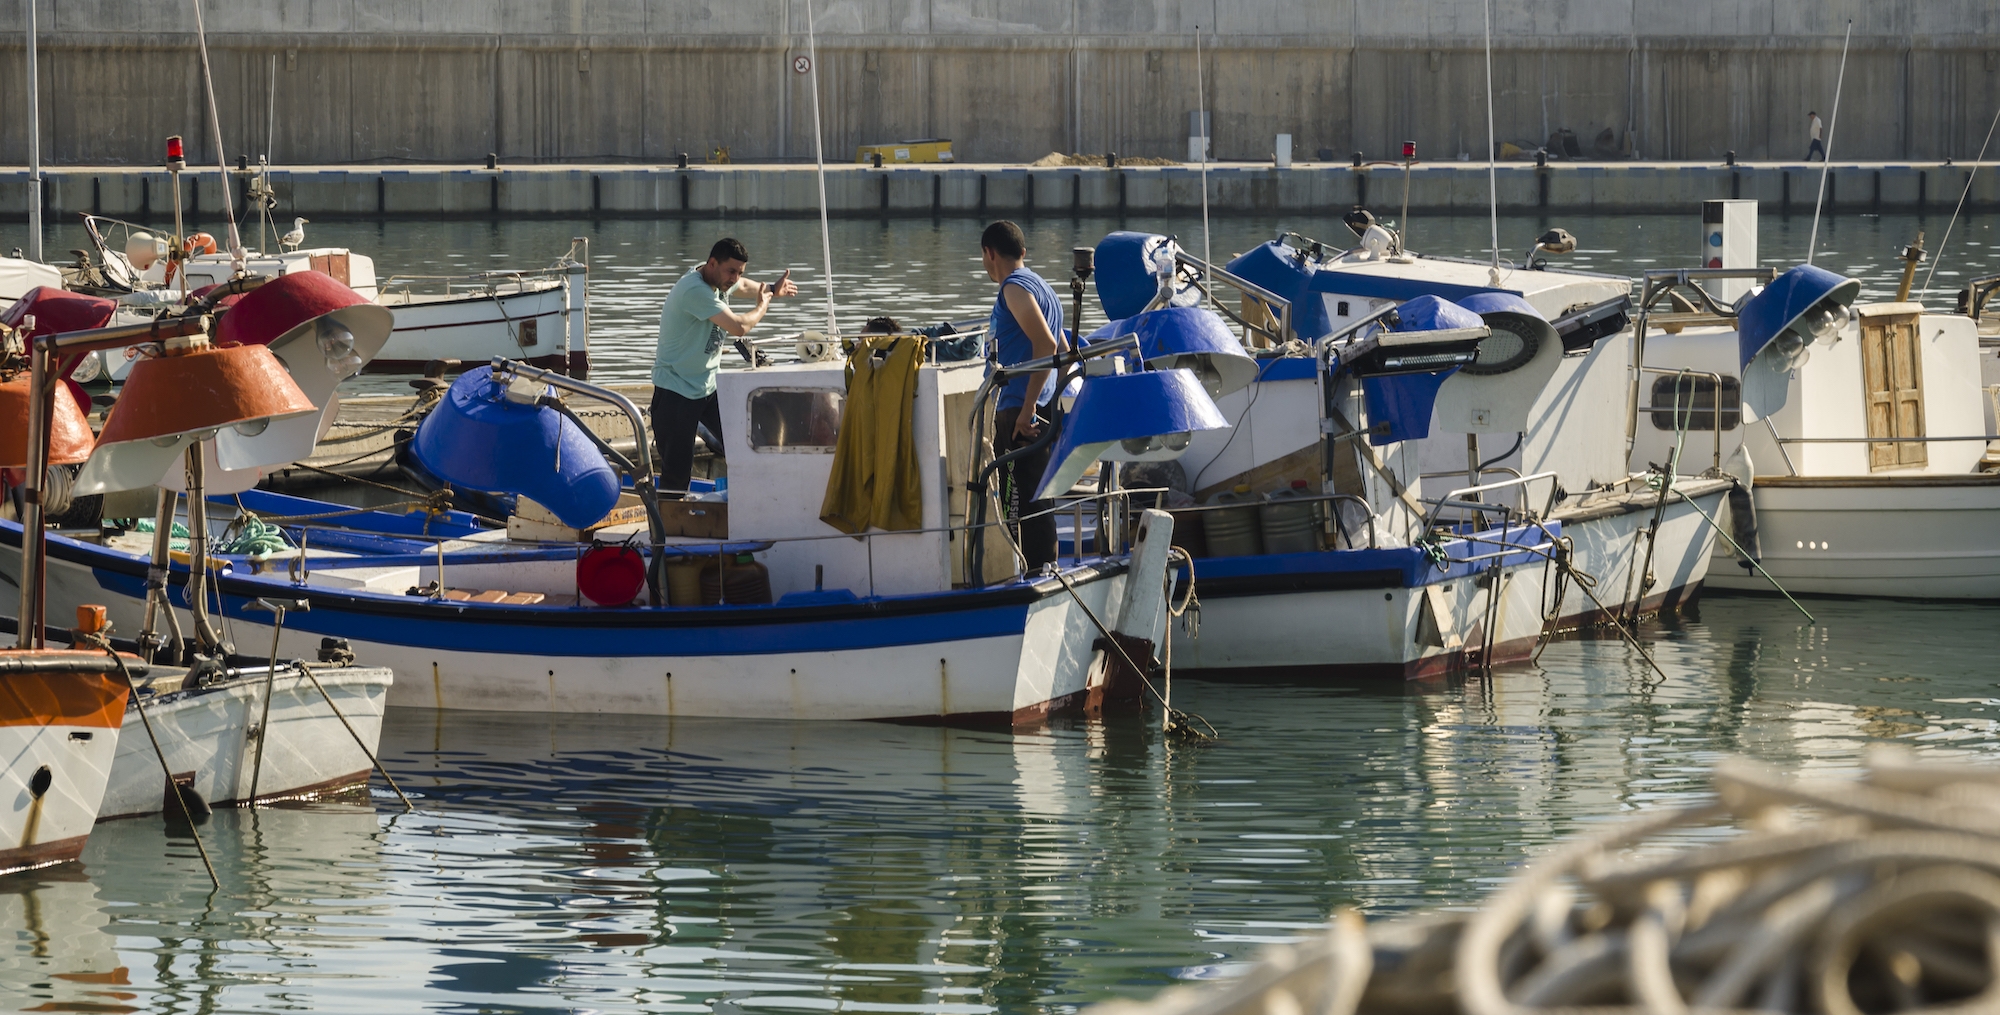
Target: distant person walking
{"type": "Point", "coordinates": [692, 322]}
{"type": "Point", "coordinates": [1818, 147]}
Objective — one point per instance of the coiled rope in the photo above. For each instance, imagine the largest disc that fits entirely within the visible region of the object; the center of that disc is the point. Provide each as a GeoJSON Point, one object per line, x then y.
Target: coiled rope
{"type": "Point", "coordinates": [1807, 897]}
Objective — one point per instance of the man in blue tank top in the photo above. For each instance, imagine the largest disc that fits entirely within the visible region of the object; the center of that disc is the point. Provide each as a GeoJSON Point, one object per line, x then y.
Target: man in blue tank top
{"type": "Point", "coordinates": [1027, 324]}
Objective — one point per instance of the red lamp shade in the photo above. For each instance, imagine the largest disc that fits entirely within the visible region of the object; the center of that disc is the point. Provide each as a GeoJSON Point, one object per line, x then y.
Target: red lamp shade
{"type": "Point", "coordinates": [173, 400]}
{"type": "Point", "coordinates": [323, 333]}
{"type": "Point", "coordinates": [56, 311]}
{"type": "Point", "coordinates": [69, 433]}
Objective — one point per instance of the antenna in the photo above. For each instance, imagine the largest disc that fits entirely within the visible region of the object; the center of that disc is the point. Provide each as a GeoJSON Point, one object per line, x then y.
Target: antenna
{"type": "Point", "coordinates": [1969, 174]}
{"type": "Point", "coordinates": [819, 159]}
{"type": "Point", "coordinates": [1826, 157]}
{"type": "Point", "coordinates": [237, 255]}
{"type": "Point", "coordinates": [34, 146]}
{"type": "Point", "coordinates": [1492, 183]}
{"type": "Point", "coordinates": [1207, 134]}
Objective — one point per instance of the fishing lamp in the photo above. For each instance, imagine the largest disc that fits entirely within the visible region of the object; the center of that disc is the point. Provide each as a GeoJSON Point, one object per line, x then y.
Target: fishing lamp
{"type": "Point", "coordinates": [176, 154]}
{"type": "Point", "coordinates": [1194, 339]}
{"type": "Point", "coordinates": [1191, 338]}
{"type": "Point", "coordinates": [1519, 332]}
{"type": "Point", "coordinates": [189, 391]}
{"type": "Point", "coordinates": [1777, 325]}
{"type": "Point", "coordinates": [484, 436]}
{"type": "Point", "coordinates": [70, 439]}
{"type": "Point", "coordinates": [1142, 417]}
{"type": "Point", "coordinates": [1431, 334]}
{"type": "Point", "coordinates": [1128, 265]}
{"type": "Point", "coordinates": [323, 333]}
{"type": "Point", "coordinates": [1401, 369]}
{"type": "Point", "coordinates": [1798, 308]}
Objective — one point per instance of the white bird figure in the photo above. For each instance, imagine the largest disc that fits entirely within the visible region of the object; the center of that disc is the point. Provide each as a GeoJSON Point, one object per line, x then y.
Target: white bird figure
{"type": "Point", "coordinates": [291, 240]}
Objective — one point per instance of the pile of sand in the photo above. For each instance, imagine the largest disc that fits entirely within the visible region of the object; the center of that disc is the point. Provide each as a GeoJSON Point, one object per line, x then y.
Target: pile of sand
{"type": "Point", "coordinates": [1055, 159]}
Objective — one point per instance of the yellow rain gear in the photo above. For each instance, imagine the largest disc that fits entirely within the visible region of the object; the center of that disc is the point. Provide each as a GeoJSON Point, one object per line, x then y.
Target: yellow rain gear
{"type": "Point", "coordinates": [875, 481]}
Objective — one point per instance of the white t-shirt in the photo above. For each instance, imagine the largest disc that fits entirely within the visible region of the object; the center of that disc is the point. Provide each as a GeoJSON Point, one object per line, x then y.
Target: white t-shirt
{"type": "Point", "coordinates": [1815, 128]}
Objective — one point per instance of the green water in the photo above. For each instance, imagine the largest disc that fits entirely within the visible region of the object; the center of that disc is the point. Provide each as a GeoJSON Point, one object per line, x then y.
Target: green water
{"type": "Point", "coordinates": [612, 864]}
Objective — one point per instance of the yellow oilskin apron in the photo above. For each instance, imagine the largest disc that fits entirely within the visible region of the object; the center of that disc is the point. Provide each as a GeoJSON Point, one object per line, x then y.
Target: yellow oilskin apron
{"type": "Point", "coordinates": [875, 483]}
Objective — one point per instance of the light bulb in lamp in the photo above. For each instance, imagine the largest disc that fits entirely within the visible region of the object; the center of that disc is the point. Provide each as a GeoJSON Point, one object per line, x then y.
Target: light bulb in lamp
{"type": "Point", "coordinates": [191, 392]}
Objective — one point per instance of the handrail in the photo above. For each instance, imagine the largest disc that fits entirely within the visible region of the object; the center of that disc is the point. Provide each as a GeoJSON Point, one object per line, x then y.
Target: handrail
{"type": "Point", "coordinates": [1714, 410]}
{"type": "Point", "coordinates": [1452, 499]}
{"type": "Point", "coordinates": [1884, 440]}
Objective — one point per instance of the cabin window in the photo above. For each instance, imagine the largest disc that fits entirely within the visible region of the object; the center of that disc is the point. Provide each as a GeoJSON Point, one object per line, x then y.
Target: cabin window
{"type": "Point", "coordinates": [795, 419]}
{"type": "Point", "coordinates": [1693, 399]}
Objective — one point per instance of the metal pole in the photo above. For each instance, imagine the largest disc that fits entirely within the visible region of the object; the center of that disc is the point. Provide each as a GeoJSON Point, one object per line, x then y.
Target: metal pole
{"type": "Point", "coordinates": [1826, 157]}
{"type": "Point", "coordinates": [819, 159]}
{"type": "Point", "coordinates": [34, 143]}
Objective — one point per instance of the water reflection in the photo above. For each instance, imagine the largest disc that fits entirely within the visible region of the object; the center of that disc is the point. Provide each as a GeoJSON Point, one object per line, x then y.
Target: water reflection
{"type": "Point", "coordinates": [612, 863]}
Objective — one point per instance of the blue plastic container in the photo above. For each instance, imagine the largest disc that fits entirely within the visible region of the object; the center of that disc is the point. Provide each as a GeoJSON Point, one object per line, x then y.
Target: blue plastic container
{"type": "Point", "coordinates": [477, 439]}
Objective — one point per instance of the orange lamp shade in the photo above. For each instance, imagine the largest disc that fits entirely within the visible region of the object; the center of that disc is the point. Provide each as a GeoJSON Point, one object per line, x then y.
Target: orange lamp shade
{"type": "Point", "coordinates": [172, 400]}
{"type": "Point", "coordinates": [69, 433]}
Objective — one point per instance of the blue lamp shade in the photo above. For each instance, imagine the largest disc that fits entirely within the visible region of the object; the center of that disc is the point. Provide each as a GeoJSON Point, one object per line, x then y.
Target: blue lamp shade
{"type": "Point", "coordinates": [478, 439]}
{"type": "Point", "coordinates": [1145, 417]}
{"type": "Point", "coordinates": [1194, 338]}
{"type": "Point", "coordinates": [1126, 279]}
{"type": "Point", "coordinates": [1519, 331]}
{"type": "Point", "coordinates": [1282, 269]}
{"type": "Point", "coordinates": [1798, 308]}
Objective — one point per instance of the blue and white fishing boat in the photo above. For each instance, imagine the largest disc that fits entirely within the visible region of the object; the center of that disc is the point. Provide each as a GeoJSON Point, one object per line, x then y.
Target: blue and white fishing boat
{"type": "Point", "coordinates": [1379, 373]}
{"type": "Point", "coordinates": [741, 603]}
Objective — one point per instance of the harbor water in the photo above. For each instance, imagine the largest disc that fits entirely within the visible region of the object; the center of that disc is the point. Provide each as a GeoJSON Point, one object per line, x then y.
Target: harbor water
{"type": "Point", "coordinates": [611, 864]}
{"type": "Point", "coordinates": [582, 863]}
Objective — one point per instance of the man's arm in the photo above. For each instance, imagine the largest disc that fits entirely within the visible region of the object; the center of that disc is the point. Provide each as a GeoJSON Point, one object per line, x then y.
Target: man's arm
{"type": "Point", "coordinates": [1029, 316]}
{"type": "Point", "coordinates": [739, 325]}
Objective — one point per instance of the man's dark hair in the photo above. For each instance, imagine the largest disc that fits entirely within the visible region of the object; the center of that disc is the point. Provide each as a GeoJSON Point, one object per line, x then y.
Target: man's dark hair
{"type": "Point", "coordinates": [728, 249]}
{"type": "Point", "coordinates": [881, 326]}
{"type": "Point", "coordinates": [1813, 113]}
{"type": "Point", "coordinates": [1004, 238]}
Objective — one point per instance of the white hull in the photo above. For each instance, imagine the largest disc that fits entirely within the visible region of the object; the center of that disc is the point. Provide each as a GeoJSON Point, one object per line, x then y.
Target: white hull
{"type": "Point", "coordinates": [36, 831]}
{"type": "Point", "coordinates": [1381, 631]}
{"type": "Point", "coordinates": [1364, 632]}
{"type": "Point", "coordinates": [539, 320]}
{"type": "Point", "coordinates": [1927, 537]}
{"type": "Point", "coordinates": [1047, 663]}
{"type": "Point", "coordinates": [208, 737]}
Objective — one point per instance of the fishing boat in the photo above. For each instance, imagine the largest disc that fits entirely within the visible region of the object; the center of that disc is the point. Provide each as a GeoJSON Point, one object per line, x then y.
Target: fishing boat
{"type": "Point", "coordinates": [537, 315]}
{"type": "Point", "coordinates": [1868, 452]}
{"type": "Point", "coordinates": [1352, 416]}
{"type": "Point", "coordinates": [598, 600]}
{"type": "Point", "coordinates": [219, 728]}
{"type": "Point", "coordinates": [60, 709]}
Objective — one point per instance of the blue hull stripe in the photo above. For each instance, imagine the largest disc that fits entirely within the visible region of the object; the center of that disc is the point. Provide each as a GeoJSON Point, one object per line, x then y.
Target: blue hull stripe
{"type": "Point", "coordinates": [417, 622]}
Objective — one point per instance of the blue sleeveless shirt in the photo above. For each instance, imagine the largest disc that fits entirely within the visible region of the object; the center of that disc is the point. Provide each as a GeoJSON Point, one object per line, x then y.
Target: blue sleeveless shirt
{"type": "Point", "coordinates": [1010, 343]}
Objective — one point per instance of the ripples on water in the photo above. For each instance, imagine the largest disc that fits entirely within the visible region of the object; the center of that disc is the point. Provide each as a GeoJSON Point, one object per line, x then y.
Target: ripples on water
{"type": "Point", "coordinates": [616, 864]}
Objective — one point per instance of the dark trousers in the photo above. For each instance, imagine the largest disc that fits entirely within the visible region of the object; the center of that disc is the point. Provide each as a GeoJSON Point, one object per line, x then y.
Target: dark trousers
{"type": "Point", "coordinates": [1018, 480]}
{"type": "Point", "coordinates": [676, 421]}
{"type": "Point", "coordinates": [1816, 149]}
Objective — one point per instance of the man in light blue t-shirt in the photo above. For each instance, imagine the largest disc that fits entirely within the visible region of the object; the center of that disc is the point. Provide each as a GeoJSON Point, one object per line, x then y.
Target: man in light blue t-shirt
{"type": "Point", "coordinates": [693, 322]}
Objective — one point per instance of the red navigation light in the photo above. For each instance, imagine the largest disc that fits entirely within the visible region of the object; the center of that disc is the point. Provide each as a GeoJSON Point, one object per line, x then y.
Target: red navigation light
{"type": "Point", "coordinates": [174, 151]}
{"type": "Point", "coordinates": [1409, 149]}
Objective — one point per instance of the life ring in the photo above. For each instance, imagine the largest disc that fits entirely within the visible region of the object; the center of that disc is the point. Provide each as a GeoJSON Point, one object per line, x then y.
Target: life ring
{"type": "Point", "coordinates": [195, 245]}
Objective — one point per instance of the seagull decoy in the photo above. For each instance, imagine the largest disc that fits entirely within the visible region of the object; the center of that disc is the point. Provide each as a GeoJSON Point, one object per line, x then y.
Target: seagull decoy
{"type": "Point", "coordinates": [291, 240]}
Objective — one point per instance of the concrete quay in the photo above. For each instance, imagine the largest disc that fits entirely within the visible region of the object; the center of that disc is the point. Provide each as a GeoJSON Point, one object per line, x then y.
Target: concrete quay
{"type": "Point", "coordinates": [636, 191]}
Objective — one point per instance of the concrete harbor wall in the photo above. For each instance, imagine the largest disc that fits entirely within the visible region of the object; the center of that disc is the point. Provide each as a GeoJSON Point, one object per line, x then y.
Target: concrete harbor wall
{"type": "Point", "coordinates": [625, 191]}
{"type": "Point", "coordinates": [447, 81]}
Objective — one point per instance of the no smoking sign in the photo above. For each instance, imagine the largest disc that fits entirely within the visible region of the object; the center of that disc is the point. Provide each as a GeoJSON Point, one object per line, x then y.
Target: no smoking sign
{"type": "Point", "coordinates": [802, 64]}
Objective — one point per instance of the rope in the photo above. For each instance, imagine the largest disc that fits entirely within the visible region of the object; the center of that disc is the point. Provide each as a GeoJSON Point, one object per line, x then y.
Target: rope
{"type": "Point", "coordinates": [255, 538]}
{"type": "Point", "coordinates": [177, 541]}
{"type": "Point", "coordinates": [1823, 896]}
